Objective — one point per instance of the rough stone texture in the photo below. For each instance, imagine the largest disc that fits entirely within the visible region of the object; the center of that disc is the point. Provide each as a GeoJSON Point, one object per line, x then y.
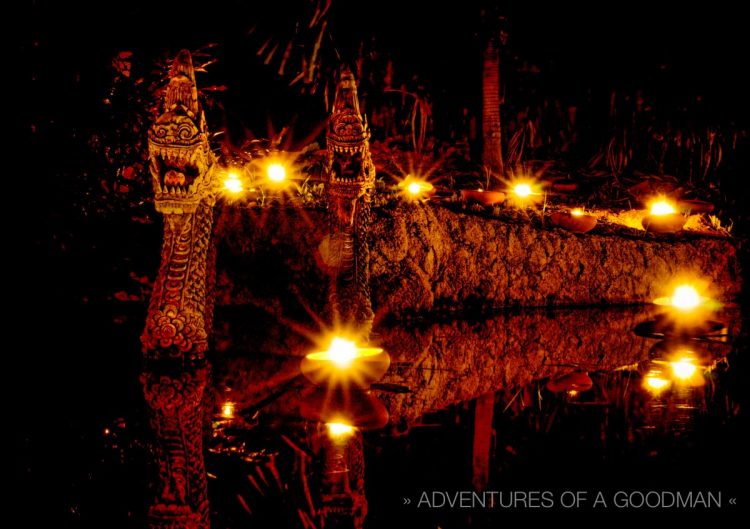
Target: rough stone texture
{"type": "Point", "coordinates": [458, 361]}
{"type": "Point", "coordinates": [426, 257]}
{"type": "Point", "coordinates": [447, 363]}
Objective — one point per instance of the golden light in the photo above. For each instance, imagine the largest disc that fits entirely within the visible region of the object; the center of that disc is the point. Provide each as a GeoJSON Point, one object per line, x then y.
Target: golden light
{"type": "Point", "coordinates": [661, 207]}
{"type": "Point", "coordinates": [232, 183]}
{"type": "Point", "coordinates": [663, 217]}
{"type": "Point", "coordinates": [345, 362]}
{"type": "Point", "coordinates": [685, 298]}
{"type": "Point", "coordinates": [415, 188]}
{"type": "Point", "coordinates": [342, 352]}
{"type": "Point", "coordinates": [577, 212]}
{"type": "Point", "coordinates": [522, 190]}
{"type": "Point", "coordinates": [227, 410]}
{"type": "Point", "coordinates": [276, 172]}
{"type": "Point", "coordinates": [656, 383]}
{"type": "Point", "coordinates": [683, 369]}
{"type": "Point", "coordinates": [339, 430]}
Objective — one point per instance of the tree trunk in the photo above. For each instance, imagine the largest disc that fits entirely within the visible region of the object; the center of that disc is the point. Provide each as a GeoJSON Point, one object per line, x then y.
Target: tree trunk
{"type": "Point", "coordinates": [492, 150]}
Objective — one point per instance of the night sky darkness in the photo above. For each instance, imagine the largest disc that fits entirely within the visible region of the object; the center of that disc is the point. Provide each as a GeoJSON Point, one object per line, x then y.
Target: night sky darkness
{"type": "Point", "coordinates": [691, 62]}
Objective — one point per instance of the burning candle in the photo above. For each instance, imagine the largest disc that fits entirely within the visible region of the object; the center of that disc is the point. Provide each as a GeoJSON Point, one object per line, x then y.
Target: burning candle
{"type": "Point", "coordinates": [683, 369]}
{"type": "Point", "coordinates": [655, 382]}
{"type": "Point", "coordinates": [227, 410]}
{"type": "Point", "coordinates": [575, 220]}
{"type": "Point", "coordinates": [522, 190]}
{"type": "Point", "coordinates": [415, 189]}
{"type": "Point", "coordinates": [684, 298]}
{"type": "Point", "coordinates": [339, 430]}
{"type": "Point", "coordinates": [677, 362]}
{"type": "Point", "coordinates": [663, 217]}
{"type": "Point", "coordinates": [688, 315]}
{"type": "Point", "coordinates": [344, 362]}
{"type": "Point", "coordinates": [276, 173]}
{"type": "Point", "coordinates": [233, 184]}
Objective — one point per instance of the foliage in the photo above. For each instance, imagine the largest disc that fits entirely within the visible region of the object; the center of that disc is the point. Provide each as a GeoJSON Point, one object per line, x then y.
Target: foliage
{"type": "Point", "coordinates": [120, 143]}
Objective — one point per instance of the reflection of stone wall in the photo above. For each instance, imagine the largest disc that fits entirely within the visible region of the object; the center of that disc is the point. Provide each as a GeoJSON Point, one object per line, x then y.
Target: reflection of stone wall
{"type": "Point", "coordinates": [458, 361]}
{"type": "Point", "coordinates": [452, 362]}
{"type": "Point", "coordinates": [425, 257]}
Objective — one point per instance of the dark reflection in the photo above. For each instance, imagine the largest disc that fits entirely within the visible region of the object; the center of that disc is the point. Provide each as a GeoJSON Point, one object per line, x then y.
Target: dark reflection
{"type": "Point", "coordinates": [530, 400]}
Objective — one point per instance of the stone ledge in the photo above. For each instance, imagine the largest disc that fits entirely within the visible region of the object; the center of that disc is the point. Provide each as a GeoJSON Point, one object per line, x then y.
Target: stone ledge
{"type": "Point", "coordinates": [426, 257]}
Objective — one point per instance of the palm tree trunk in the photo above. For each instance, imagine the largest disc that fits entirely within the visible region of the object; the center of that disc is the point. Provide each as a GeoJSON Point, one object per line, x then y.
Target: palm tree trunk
{"type": "Point", "coordinates": [492, 149]}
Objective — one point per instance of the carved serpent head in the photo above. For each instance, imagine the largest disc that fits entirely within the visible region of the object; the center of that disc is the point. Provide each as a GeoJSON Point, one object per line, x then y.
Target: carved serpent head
{"type": "Point", "coordinates": [180, 156]}
{"type": "Point", "coordinates": [350, 171]}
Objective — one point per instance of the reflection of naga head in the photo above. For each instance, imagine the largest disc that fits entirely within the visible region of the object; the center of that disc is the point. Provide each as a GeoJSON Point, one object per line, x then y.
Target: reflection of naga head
{"type": "Point", "coordinates": [178, 143]}
{"type": "Point", "coordinates": [342, 487]}
{"type": "Point", "coordinates": [349, 162]}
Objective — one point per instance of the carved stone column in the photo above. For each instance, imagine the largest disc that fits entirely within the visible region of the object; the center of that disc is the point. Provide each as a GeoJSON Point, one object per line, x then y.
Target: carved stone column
{"type": "Point", "coordinates": [350, 179]}
{"type": "Point", "coordinates": [175, 339]}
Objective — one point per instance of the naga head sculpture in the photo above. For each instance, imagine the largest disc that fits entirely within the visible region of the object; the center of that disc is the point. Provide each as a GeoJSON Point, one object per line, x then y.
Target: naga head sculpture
{"type": "Point", "coordinates": [178, 147]}
{"type": "Point", "coordinates": [350, 171]}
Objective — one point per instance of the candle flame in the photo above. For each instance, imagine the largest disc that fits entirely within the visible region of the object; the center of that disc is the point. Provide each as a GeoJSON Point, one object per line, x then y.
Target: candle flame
{"type": "Point", "coordinates": [683, 368]}
{"type": "Point", "coordinates": [414, 187]}
{"type": "Point", "coordinates": [276, 172]}
{"type": "Point", "coordinates": [341, 352]}
{"type": "Point", "coordinates": [656, 383]}
{"type": "Point", "coordinates": [662, 207]}
{"type": "Point", "coordinates": [522, 190]}
{"type": "Point", "coordinates": [232, 183]}
{"type": "Point", "coordinates": [338, 430]}
{"type": "Point", "coordinates": [344, 363]}
{"type": "Point", "coordinates": [227, 410]}
{"type": "Point", "coordinates": [685, 297]}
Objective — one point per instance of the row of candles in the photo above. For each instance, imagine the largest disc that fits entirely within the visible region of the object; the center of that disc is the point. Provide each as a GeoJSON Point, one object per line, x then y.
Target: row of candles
{"type": "Point", "coordinates": [662, 216]}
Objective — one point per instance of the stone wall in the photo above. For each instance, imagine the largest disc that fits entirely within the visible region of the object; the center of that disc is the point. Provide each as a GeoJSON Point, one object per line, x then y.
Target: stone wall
{"type": "Point", "coordinates": [426, 257]}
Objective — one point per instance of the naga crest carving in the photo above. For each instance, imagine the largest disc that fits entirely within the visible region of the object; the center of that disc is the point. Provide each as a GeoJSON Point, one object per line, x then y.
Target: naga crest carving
{"type": "Point", "coordinates": [181, 159]}
{"type": "Point", "coordinates": [349, 168]}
